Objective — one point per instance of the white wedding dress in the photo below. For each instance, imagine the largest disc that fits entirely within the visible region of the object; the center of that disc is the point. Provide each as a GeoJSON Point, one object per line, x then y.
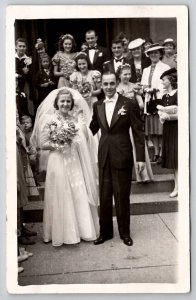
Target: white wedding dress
{"type": "Point", "coordinates": [71, 187]}
{"type": "Point", "coordinates": [71, 194]}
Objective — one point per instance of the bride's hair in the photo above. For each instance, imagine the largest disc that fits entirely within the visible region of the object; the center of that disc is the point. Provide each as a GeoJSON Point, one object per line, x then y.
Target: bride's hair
{"type": "Point", "coordinates": [63, 92]}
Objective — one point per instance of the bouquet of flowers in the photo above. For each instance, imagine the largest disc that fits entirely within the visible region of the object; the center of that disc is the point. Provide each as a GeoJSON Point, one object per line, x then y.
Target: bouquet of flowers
{"type": "Point", "coordinates": [62, 136]}
{"type": "Point", "coordinates": [75, 84]}
{"type": "Point", "coordinates": [85, 90]}
{"type": "Point", "coordinates": [68, 68]}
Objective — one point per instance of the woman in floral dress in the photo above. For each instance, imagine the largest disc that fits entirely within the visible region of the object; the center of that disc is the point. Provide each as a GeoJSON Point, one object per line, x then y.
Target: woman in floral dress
{"type": "Point", "coordinates": [64, 59]}
{"type": "Point", "coordinates": [84, 77]}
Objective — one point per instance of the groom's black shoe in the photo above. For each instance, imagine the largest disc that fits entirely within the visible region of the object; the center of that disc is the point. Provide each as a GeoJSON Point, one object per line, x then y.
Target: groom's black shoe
{"type": "Point", "coordinates": [101, 239]}
{"type": "Point", "coordinates": [127, 241]}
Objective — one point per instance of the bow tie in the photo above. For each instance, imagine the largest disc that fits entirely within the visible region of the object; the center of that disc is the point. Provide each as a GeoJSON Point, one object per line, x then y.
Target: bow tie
{"type": "Point", "coordinates": [118, 59]}
{"type": "Point", "coordinates": [109, 101]}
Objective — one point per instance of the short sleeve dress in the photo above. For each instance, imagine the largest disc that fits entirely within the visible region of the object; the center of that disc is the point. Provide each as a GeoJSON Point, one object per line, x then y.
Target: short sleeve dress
{"type": "Point", "coordinates": [77, 80]}
{"type": "Point", "coordinates": [65, 64]}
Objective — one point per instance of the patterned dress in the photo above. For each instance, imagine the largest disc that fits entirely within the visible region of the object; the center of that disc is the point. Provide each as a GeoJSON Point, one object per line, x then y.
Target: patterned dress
{"type": "Point", "coordinates": [65, 64]}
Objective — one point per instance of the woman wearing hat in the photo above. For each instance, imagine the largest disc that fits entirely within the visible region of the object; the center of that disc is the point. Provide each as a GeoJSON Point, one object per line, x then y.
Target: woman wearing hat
{"type": "Point", "coordinates": [167, 110]}
{"type": "Point", "coordinates": [153, 89]}
{"type": "Point", "coordinates": [169, 56]}
{"type": "Point", "coordinates": [148, 42]}
{"type": "Point", "coordinates": [139, 61]}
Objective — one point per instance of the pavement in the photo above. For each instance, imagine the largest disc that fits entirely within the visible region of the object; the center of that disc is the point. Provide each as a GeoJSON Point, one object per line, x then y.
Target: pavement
{"type": "Point", "coordinates": [152, 258]}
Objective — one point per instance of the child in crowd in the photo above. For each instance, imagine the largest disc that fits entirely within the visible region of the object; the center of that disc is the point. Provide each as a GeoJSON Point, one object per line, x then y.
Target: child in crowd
{"type": "Point", "coordinates": [41, 50]}
{"type": "Point", "coordinates": [127, 89]}
{"type": "Point", "coordinates": [23, 167]}
{"type": "Point", "coordinates": [45, 80]}
{"type": "Point", "coordinates": [27, 126]}
{"type": "Point", "coordinates": [84, 47]}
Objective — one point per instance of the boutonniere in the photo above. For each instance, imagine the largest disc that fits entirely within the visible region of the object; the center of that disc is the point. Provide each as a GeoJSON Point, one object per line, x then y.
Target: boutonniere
{"type": "Point", "coordinates": [100, 54]}
{"type": "Point", "coordinates": [122, 111]}
{"type": "Point", "coordinates": [28, 61]}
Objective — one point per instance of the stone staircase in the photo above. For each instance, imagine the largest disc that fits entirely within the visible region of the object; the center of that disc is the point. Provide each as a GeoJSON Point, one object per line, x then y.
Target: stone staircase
{"type": "Point", "coordinates": [145, 198]}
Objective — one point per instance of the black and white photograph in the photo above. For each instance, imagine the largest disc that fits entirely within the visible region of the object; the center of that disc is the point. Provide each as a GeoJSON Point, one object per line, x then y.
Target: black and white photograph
{"type": "Point", "coordinates": [97, 128]}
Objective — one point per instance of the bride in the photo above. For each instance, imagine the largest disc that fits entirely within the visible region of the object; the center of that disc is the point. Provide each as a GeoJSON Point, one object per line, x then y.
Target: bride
{"type": "Point", "coordinates": [71, 191]}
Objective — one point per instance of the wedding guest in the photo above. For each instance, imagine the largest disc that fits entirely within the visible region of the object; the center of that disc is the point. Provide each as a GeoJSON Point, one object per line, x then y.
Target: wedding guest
{"type": "Point", "coordinates": [86, 82]}
{"type": "Point", "coordinates": [24, 233]}
{"type": "Point", "coordinates": [153, 89]}
{"type": "Point", "coordinates": [21, 100]}
{"type": "Point", "coordinates": [169, 53]}
{"type": "Point", "coordinates": [168, 113]}
{"type": "Point", "coordinates": [127, 89]}
{"type": "Point", "coordinates": [84, 75]}
{"type": "Point", "coordinates": [84, 47]}
{"type": "Point", "coordinates": [64, 60]}
{"type": "Point", "coordinates": [96, 54]}
{"type": "Point", "coordinates": [114, 115]}
{"type": "Point", "coordinates": [117, 58]}
{"type": "Point", "coordinates": [41, 50]}
{"type": "Point", "coordinates": [23, 72]}
{"type": "Point", "coordinates": [71, 194]}
{"type": "Point", "coordinates": [26, 122]}
{"type": "Point", "coordinates": [139, 61]}
{"type": "Point", "coordinates": [22, 63]}
{"type": "Point", "coordinates": [45, 80]}
{"type": "Point", "coordinates": [147, 43]}
{"type": "Point", "coordinates": [122, 36]}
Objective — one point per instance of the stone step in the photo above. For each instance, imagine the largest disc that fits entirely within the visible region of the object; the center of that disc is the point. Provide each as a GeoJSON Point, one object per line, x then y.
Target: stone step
{"type": "Point", "coordinates": [140, 204]}
{"type": "Point", "coordinates": [161, 183]}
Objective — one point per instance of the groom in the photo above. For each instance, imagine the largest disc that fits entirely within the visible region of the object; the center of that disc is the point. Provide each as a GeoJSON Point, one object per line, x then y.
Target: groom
{"type": "Point", "coordinates": [114, 115]}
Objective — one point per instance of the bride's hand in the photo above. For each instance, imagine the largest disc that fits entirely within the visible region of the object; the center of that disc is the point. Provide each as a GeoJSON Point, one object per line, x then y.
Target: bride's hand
{"type": "Point", "coordinates": [51, 146]}
{"type": "Point", "coordinates": [48, 146]}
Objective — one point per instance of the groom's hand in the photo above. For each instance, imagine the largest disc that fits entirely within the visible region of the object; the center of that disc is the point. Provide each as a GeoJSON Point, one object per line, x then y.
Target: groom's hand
{"type": "Point", "coordinates": [141, 165]}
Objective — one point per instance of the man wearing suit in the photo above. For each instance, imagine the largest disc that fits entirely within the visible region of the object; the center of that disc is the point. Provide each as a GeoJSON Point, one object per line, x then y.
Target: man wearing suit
{"type": "Point", "coordinates": [118, 59]}
{"type": "Point", "coordinates": [96, 54]}
{"type": "Point", "coordinates": [114, 116]}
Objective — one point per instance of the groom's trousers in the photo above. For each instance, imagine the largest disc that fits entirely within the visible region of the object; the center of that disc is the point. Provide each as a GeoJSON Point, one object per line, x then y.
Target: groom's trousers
{"type": "Point", "coordinates": [114, 182]}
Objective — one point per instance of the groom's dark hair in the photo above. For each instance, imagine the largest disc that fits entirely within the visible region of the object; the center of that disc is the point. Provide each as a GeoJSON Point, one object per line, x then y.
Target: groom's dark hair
{"type": "Point", "coordinates": [63, 92]}
{"type": "Point", "coordinates": [108, 73]}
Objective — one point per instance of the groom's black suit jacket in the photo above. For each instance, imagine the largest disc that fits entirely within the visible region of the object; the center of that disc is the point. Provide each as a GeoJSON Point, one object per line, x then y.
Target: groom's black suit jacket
{"type": "Point", "coordinates": [115, 140]}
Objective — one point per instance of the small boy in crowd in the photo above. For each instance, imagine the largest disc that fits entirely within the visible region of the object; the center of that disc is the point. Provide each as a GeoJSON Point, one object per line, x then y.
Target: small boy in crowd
{"type": "Point", "coordinates": [27, 125]}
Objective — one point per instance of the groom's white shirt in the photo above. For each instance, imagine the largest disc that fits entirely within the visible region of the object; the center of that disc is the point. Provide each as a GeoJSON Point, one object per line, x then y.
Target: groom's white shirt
{"type": "Point", "coordinates": [109, 107]}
